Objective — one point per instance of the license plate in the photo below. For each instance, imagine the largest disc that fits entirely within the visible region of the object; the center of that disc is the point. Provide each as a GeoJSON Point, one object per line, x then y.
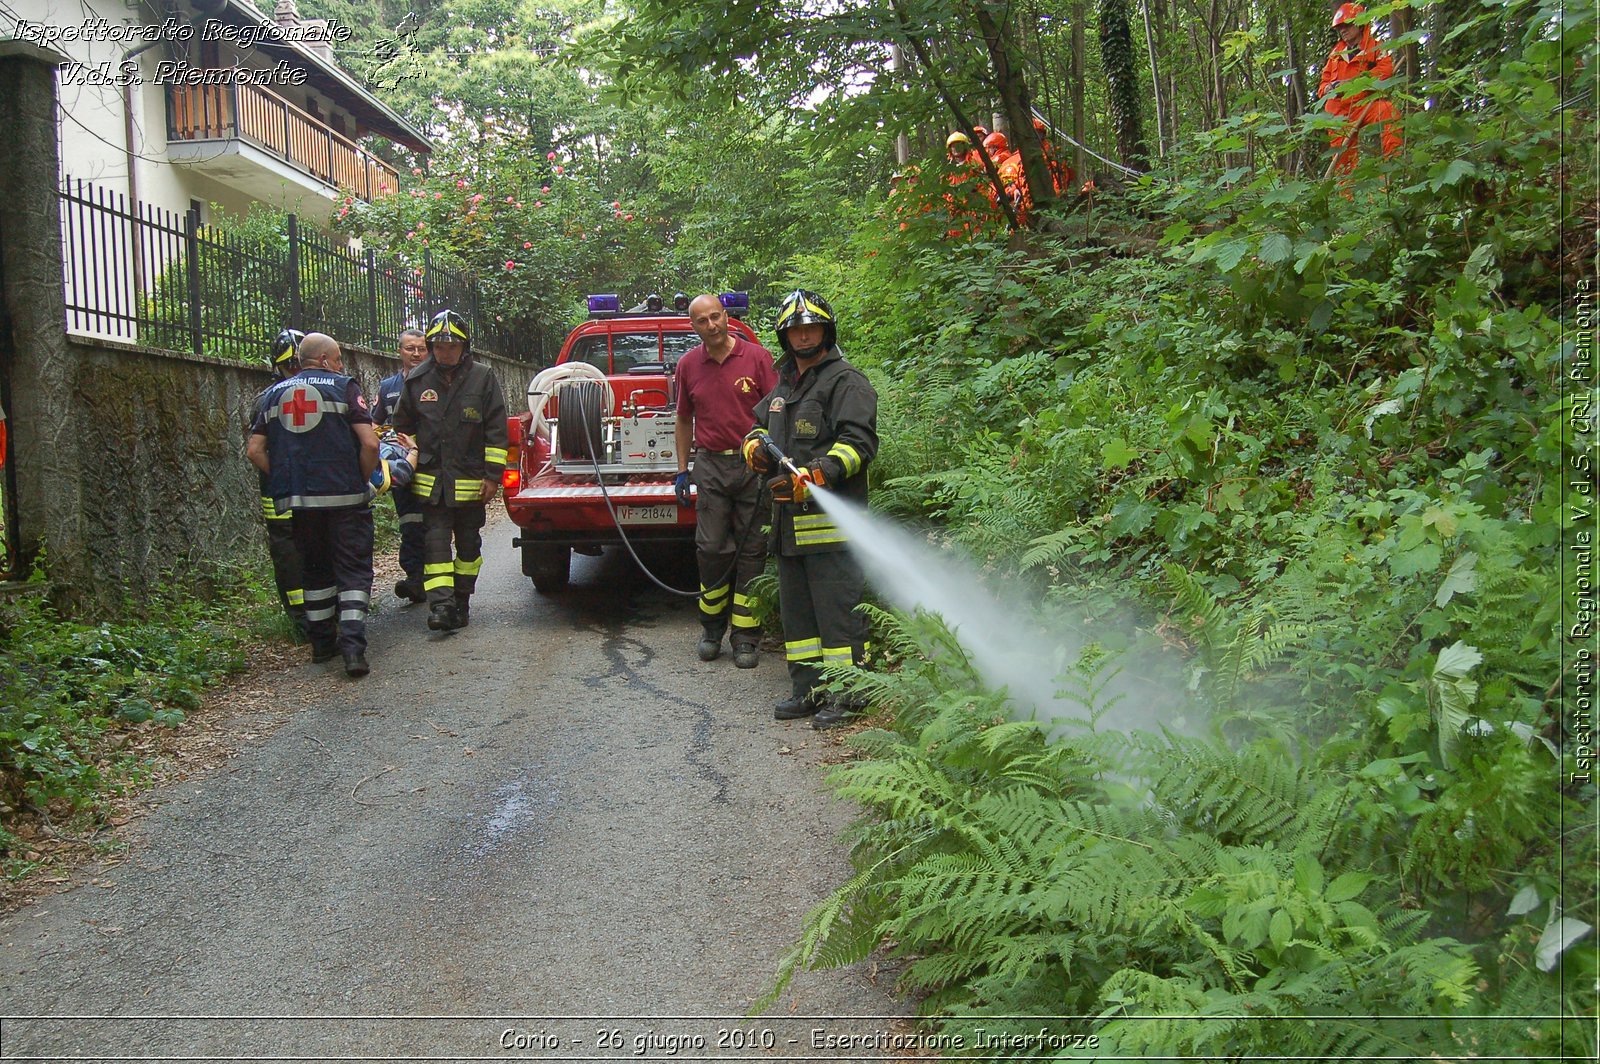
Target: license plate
{"type": "Point", "coordinates": [648, 515]}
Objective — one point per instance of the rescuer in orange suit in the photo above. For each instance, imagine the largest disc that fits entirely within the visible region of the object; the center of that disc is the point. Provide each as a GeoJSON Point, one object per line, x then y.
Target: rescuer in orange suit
{"type": "Point", "coordinates": [998, 149]}
{"type": "Point", "coordinates": [962, 164]}
{"type": "Point", "coordinates": [1357, 53]}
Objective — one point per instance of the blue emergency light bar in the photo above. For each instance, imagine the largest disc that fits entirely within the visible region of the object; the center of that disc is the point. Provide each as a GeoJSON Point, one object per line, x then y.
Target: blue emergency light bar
{"type": "Point", "coordinates": [609, 305]}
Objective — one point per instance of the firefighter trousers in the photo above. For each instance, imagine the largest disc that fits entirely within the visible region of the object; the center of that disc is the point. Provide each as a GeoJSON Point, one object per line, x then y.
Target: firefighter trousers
{"type": "Point", "coordinates": [336, 553]}
{"type": "Point", "coordinates": [450, 575]}
{"type": "Point", "coordinates": [727, 525]}
{"type": "Point", "coordinates": [409, 509]}
{"type": "Point", "coordinates": [817, 596]}
{"type": "Point", "coordinates": [286, 568]}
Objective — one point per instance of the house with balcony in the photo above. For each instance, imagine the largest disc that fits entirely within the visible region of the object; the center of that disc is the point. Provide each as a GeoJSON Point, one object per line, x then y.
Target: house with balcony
{"type": "Point", "coordinates": [170, 110]}
{"type": "Point", "coordinates": [181, 104]}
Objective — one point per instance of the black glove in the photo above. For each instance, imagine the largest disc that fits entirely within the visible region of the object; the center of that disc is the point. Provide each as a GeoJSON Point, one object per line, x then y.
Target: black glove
{"type": "Point", "coordinates": [680, 488]}
{"type": "Point", "coordinates": [788, 487]}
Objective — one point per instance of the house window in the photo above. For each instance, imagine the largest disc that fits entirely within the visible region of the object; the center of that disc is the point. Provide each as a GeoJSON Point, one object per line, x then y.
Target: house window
{"type": "Point", "coordinates": [199, 210]}
{"type": "Point", "coordinates": [311, 108]}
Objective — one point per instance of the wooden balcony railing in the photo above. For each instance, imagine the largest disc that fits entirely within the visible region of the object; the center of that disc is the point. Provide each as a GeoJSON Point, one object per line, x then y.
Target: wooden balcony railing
{"type": "Point", "coordinates": [254, 114]}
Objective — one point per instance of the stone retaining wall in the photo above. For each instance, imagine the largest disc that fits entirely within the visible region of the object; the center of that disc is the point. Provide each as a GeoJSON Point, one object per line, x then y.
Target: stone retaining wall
{"type": "Point", "coordinates": [165, 484]}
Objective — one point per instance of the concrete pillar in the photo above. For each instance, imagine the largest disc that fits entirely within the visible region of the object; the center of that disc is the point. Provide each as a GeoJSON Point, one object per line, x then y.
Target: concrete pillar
{"type": "Point", "coordinates": [48, 445]}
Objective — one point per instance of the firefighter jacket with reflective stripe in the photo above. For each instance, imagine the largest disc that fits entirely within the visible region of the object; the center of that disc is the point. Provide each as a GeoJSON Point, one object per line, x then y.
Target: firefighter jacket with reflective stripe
{"type": "Point", "coordinates": [314, 455]}
{"type": "Point", "coordinates": [460, 429]}
{"type": "Point", "coordinates": [827, 416]}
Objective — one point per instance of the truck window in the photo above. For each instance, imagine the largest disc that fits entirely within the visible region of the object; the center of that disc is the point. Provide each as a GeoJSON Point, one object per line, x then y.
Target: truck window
{"type": "Point", "coordinates": [630, 349]}
{"type": "Point", "coordinates": [677, 345]}
{"type": "Point", "coordinates": [591, 349]}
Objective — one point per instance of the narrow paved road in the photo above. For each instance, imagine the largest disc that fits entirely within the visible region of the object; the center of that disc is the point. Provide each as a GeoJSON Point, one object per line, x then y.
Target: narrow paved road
{"type": "Point", "coordinates": [553, 835]}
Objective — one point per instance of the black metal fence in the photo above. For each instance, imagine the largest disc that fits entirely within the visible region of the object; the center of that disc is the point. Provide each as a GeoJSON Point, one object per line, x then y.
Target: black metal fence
{"type": "Point", "coordinates": [141, 274]}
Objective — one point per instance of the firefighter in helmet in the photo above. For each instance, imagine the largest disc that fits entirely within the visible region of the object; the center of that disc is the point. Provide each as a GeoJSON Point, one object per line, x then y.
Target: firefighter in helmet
{"type": "Point", "coordinates": [453, 407]}
{"type": "Point", "coordinates": [957, 148]}
{"type": "Point", "coordinates": [823, 416]}
{"type": "Point", "coordinates": [1357, 53]}
{"type": "Point", "coordinates": [286, 567]}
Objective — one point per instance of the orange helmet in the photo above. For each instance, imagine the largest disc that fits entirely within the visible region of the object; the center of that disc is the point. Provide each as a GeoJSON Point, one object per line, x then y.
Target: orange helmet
{"type": "Point", "coordinates": [996, 143]}
{"type": "Point", "coordinates": [1347, 13]}
{"type": "Point", "coordinates": [1039, 126]}
{"type": "Point", "coordinates": [981, 131]}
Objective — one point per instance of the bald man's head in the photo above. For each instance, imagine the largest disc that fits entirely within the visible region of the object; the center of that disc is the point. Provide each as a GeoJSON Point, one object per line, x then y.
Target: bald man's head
{"type": "Point", "coordinates": [710, 320]}
{"type": "Point", "coordinates": [322, 351]}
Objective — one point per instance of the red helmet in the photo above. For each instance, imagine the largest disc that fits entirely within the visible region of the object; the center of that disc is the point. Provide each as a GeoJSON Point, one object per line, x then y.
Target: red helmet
{"type": "Point", "coordinates": [996, 143]}
{"type": "Point", "coordinates": [1347, 13]}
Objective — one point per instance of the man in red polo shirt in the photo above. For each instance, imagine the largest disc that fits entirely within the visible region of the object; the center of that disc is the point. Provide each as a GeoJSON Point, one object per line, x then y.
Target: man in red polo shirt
{"type": "Point", "coordinates": [719, 383]}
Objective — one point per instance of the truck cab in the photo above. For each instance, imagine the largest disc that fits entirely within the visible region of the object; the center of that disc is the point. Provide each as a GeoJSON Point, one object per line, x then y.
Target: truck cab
{"type": "Point", "coordinates": [595, 455]}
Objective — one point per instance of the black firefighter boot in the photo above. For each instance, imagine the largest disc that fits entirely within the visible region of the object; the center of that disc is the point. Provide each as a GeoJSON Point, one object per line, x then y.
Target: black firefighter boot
{"type": "Point", "coordinates": [841, 710]}
{"type": "Point", "coordinates": [796, 707]}
{"type": "Point", "coordinates": [463, 608]}
{"type": "Point", "coordinates": [710, 646]}
{"type": "Point", "coordinates": [442, 617]}
{"type": "Point", "coordinates": [746, 654]}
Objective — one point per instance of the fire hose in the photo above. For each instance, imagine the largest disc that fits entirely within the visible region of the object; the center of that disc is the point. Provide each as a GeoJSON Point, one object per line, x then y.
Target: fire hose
{"type": "Point", "coordinates": [594, 459]}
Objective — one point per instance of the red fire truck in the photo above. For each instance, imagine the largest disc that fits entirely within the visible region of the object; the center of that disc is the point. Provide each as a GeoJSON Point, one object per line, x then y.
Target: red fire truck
{"type": "Point", "coordinates": [594, 456]}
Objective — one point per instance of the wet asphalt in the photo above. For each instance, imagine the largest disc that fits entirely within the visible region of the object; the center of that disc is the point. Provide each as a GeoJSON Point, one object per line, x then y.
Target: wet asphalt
{"type": "Point", "coordinates": [555, 835]}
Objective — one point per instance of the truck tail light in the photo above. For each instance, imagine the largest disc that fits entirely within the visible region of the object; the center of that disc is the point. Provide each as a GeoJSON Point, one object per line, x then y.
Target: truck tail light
{"type": "Point", "coordinates": [511, 479]}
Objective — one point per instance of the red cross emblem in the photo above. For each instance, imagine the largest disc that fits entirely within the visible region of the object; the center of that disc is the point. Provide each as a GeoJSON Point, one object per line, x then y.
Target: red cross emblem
{"type": "Point", "coordinates": [299, 410]}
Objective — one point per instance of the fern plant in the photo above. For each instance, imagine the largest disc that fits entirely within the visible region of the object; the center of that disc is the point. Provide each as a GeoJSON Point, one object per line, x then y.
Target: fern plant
{"type": "Point", "coordinates": [1178, 896]}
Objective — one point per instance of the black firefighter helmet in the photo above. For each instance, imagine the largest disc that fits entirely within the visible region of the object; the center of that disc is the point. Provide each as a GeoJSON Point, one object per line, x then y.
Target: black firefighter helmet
{"type": "Point", "coordinates": [286, 352]}
{"type": "Point", "coordinates": [448, 327]}
{"type": "Point", "coordinates": [802, 307]}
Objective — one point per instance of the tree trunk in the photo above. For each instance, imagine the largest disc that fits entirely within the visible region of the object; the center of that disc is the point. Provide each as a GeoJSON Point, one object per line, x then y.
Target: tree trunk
{"type": "Point", "coordinates": [1117, 56]}
{"type": "Point", "coordinates": [1207, 113]}
{"type": "Point", "coordinates": [902, 143]}
{"type": "Point", "coordinates": [1017, 102]}
{"type": "Point", "coordinates": [1155, 78]}
{"type": "Point", "coordinates": [1076, 80]}
{"type": "Point", "coordinates": [1410, 61]}
{"type": "Point", "coordinates": [1294, 93]}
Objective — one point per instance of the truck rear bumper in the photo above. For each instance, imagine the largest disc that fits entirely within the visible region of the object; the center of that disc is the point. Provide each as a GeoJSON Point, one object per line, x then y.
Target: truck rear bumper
{"type": "Point", "coordinates": [577, 514]}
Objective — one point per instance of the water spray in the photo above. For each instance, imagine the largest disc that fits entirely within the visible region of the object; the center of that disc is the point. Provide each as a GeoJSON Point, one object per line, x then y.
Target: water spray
{"type": "Point", "coordinates": [1010, 646]}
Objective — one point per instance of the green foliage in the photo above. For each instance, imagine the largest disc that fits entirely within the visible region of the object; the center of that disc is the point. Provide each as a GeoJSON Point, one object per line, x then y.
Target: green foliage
{"type": "Point", "coordinates": [1318, 423]}
{"type": "Point", "coordinates": [66, 686]}
{"type": "Point", "coordinates": [1194, 898]}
